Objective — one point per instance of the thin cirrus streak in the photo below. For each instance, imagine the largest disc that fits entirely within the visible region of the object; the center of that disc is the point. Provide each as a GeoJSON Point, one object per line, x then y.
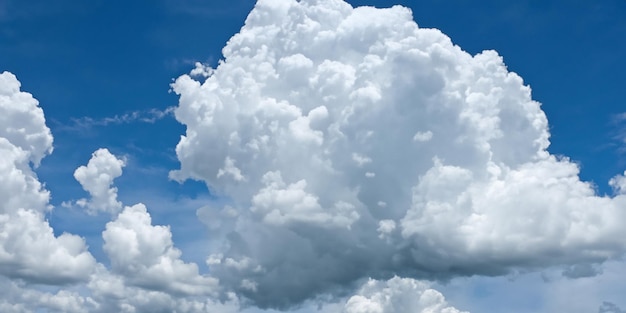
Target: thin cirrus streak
{"type": "Point", "coordinates": [150, 116]}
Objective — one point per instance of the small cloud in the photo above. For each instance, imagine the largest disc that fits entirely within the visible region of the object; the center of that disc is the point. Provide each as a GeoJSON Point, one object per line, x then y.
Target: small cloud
{"type": "Point", "coordinates": [385, 227]}
{"type": "Point", "coordinates": [202, 70]}
{"type": "Point", "coordinates": [97, 179]}
{"type": "Point", "coordinates": [360, 160]}
{"type": "Point", "coordinates": [423, 136]}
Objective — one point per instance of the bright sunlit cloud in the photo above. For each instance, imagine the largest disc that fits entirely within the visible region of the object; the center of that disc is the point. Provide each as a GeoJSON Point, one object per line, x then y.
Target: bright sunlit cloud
{"type": "Point", "coordinates": [354, 161]}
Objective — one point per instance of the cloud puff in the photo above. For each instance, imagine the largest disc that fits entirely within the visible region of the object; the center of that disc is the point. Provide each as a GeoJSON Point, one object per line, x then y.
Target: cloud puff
{"type": "Point", "coordinates": [145, 116]}
{"type": "Point", "coordinates": [97, 179]}
{"type": "Point", "coordinates": [354, 144]}
{"type": "Point", "coordinates": [145, 255]}
{"type": "Point", "coordinates": [397, 295]}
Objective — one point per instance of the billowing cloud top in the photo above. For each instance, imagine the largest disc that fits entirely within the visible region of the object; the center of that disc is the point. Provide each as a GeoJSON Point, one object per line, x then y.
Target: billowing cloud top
{"type": "Point", "coordinates": [357, 153]}
{"type": "Point", "coordinates": [397, 295]}
{"type": "Point", "coordinates": [353, 144]}
{"type": "Point", "coordinates": [22, 120]}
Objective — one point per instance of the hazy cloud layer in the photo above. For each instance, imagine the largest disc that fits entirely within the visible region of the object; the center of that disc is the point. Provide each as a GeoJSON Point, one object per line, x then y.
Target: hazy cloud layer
{"type": "Point", "coordinates": [354, 144]}
{"type": "Point", "coordinates": [22, 120]}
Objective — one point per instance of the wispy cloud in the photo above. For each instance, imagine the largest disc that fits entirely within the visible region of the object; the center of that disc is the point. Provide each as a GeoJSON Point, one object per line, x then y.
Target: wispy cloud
{"type": "Point", "coordinates": [609, 307]}
{"type": "Point", "coordinates": [143, 116]}
{"type": "Point", "coordinates": [619, 134]}
{"type": "Point", "coordinates": [621, 117]}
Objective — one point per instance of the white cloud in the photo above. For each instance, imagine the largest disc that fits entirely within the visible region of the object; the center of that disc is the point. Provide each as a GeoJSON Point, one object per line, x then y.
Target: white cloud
{"type": "Point", "coordinates": [423, 136]}
{"type": "Point", "coordinates": [145, 255]}
{"type": "Point", "coordinates": [29, 250]}
{"type": "Point", "coordinates": [313, 93]}
{"type": "Point", "coordinates": [360, 160]}
{"type": "Point", "coordinates": [385, 227]}
{"type": "Point", "coordinates": [398, 295]}
{"type": "Point", "coordinates": [309, 126]}
{"type": "Point", "coordinates": [201, 70]}
{"type": "Point", "coordinates": [97, 179]}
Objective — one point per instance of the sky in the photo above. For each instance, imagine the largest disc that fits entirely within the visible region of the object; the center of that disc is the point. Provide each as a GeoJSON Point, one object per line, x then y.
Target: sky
{"type": "Point", "coordinates": [312, 156]}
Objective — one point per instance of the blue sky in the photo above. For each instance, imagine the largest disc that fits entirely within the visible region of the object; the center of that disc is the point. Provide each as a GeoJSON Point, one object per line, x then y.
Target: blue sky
{"type": "Point", "coordinates": [100, 69]}
{"type": "Point", "coordinates": [101, 59]}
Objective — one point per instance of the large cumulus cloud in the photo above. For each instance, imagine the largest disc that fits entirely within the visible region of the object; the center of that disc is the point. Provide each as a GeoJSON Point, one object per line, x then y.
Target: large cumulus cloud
{"type": "Point", "coordinates": [351, 143]}
{"type": "Point", "coordinates": [29, 250]}
{"type": "Point", "coordinates": [355, 152]}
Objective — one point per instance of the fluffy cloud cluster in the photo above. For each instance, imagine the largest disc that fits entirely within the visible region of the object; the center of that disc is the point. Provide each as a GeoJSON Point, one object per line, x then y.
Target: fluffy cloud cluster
{"type": "Point", "coordinates": [41, 271]}
{"type": "Point", "coordinates": [352, 143]}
